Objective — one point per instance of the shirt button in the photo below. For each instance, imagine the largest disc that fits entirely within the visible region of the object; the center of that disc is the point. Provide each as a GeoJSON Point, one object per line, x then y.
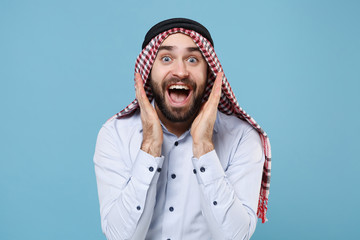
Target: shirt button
{"type": "Point", "coordinates": [202, 169]}
{"type": "Point", "coordinates": [159, 169]}
{"type": "Point", "coordinates": [176, 143]}
{"type": "Point", "coordinates": [215, 203]}
{"type": "Point", "coordinates": [138, 208]}
{"type": "Point", "coordinates": [151, 169]}
{"type": "Point", "coordinates": [173, 176]}
{"type": "Point", "coordinates": [171, 209]}
{"type": "Point", "coordinates": [194, 171]}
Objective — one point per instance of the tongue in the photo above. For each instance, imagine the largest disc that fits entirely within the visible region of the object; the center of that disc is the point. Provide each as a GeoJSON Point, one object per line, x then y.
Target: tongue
{"type": "Point", "coordinates": [177, 96]}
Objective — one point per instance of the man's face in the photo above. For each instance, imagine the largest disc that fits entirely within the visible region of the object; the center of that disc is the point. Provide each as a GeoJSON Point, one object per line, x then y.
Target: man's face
{"type": "Point", "coordinates": [178, 78]}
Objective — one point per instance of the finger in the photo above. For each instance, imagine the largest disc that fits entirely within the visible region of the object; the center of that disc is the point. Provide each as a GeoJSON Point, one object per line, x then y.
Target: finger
{"type": "Point", "coordinates": [210, 106]}
{"type": "Point", "coordinates": [145, 105]}
{"type": "Point", "coordinates": [138, 87]}
{"type": "Point", "coordinates": [141, 94]}
{"type": "Point", "coordinates": [215, 94]}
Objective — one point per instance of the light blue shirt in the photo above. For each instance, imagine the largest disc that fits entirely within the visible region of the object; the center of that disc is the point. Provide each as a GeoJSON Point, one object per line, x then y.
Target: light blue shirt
{"type": "Point", "coordinates": [177, 196]}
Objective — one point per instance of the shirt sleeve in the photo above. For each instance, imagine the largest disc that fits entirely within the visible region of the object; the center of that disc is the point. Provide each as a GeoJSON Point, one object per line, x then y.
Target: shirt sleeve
{"type": "Point", "coordinates": [230, 197]}
{"type": "Point", "coordinates": [126, 190]}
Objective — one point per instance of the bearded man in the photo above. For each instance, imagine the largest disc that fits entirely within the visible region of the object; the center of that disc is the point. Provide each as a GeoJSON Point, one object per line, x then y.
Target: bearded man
{"type": "Point", "coordinates": [183, 160]}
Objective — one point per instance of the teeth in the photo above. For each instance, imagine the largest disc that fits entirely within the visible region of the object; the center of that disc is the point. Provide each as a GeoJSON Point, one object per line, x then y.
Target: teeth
{"type": "Point", "coordinates": [179, 87]}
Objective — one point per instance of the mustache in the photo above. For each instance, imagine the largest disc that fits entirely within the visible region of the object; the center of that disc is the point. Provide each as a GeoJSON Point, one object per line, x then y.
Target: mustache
{"type": "Point", "coordinates": [185, 81]}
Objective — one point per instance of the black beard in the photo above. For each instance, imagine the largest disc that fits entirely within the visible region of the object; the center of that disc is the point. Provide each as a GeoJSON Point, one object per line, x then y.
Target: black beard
{"type": "Point", "coordinates": [177, 114]}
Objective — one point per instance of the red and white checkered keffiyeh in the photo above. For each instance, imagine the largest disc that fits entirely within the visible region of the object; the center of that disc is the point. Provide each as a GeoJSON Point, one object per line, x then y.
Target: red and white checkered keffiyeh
{"type": "Point", "coordinates": [228, 103]}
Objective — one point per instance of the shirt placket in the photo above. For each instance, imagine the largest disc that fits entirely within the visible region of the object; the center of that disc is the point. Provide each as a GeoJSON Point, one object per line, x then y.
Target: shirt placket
{"type": "Point", "coordinates": [173, 209]}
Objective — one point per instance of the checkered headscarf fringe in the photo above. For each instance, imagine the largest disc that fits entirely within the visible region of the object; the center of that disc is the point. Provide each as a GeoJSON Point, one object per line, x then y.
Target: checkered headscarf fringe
{"type": "Point", "coordinates": [228, 103]}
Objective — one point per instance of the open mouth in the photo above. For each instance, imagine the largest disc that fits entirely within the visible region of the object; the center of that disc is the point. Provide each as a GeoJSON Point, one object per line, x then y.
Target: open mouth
{"type": "Point", "coordinates": [179, 93]}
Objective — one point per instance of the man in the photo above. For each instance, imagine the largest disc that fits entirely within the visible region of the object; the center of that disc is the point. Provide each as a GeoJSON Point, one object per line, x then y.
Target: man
{"type": "Point", "coordinates": [183, 160]}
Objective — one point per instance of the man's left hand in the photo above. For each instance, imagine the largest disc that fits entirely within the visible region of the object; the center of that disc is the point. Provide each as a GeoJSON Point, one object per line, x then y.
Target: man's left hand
{"type": "Point", "coordinates": [203, 125]}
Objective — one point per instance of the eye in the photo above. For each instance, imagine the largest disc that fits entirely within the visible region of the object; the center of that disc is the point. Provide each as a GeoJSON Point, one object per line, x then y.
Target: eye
{"type": "Point", "coordinates": [166, 59]}
{"type": "Point", "coordinates": [192, 60]}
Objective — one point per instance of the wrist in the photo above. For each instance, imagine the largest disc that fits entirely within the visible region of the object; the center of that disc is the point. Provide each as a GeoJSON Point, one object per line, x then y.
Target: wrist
{"type": "Point", "coordinates": [153, 149]}
{"type": "Point", "coordinates": [200, 149]}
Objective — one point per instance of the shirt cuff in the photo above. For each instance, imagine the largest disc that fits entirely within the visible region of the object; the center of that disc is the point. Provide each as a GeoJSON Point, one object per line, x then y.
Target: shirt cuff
{"type": "Point", "coordinates": [146, 167]}
{"type": "Point", "coordinates": [208, 168]}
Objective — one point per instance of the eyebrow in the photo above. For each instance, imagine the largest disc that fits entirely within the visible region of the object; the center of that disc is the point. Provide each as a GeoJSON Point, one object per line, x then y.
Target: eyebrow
{"type": "Point", "coordinates": [170, 48]}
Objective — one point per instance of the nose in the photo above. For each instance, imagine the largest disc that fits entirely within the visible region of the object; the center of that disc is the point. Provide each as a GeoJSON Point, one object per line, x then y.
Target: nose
{"type": "Point", "coordinates": [180, 70]}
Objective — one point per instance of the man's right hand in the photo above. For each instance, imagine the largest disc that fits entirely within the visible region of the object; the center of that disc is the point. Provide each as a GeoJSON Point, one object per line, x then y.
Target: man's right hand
{"type": "Point", "coordinates": [152, 132]}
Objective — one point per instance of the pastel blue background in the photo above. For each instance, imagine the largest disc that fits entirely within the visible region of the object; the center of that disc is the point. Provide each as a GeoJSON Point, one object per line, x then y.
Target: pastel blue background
{"type": "Point", "coordinates": [67, 66]}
